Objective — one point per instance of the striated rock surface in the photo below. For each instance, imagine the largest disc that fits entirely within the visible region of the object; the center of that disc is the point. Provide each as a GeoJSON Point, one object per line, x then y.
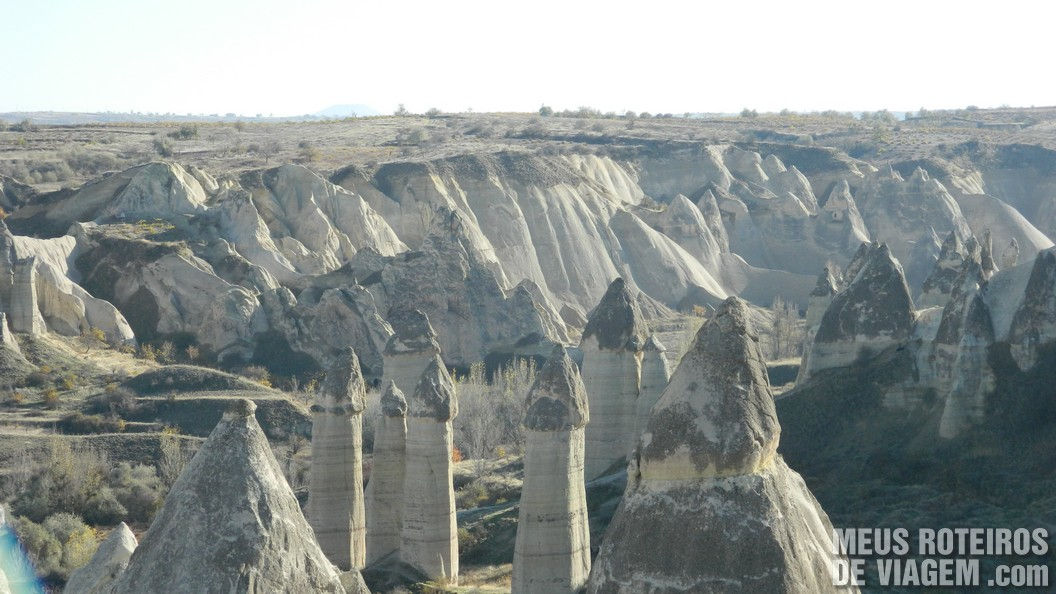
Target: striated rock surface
{"type": "Point", "coordinates": [656, 371]}
{"type": "Point", "coordinates": [874, 311]}
{"type": "Point", "coordinates": [710, 506]}
{"type": "Point", "coordinates": [451, 281]}
{"type": "Point", "coordinates": [612, 346]}
{"type": "Point", "coordinates": [384, 493]}
{"type": "Point", "coordinates": [429, 536]}
{"type": "Point", "coordinates": [25, 315]}
{"type": "Point", "coordinates": [109, 560]}
{"type": "Point", "coordinates": [335, 505]}
{"type": "Point", "coordinates": [231, 523]}
{"type": "Point", "coordinates": [552, 549]}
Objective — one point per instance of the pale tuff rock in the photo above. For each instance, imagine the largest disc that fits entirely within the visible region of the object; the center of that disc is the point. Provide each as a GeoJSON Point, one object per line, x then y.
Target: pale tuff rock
{"type": "Point", "coordinates": [683, 171]}
{"type": "Point", "coordinates": [384, 494]}
{"type": "Point", "coordinates": [552, 550]}
{"type": "Point", "coordinates": [686, 224]}
{"type": "Point", "coordinates": [820, 298]}
{"type": "Point", "coordinates": [612, 346]}
{"type": "Point", "coordinates": [1010, 256]}
{"type": "Point", "coordinates": [335, 505]}
{"type": "Point", "coordinates": [659, 265]}
{"type": "Point", "coordinates": [939, 284]}
{"type": "Point", "coordinates": [429, 538]}
{"type": "Point", "coordinates": [157, 190]}
{"type": "Point", "coordinates": [410, 349]}
{"type": "Point", "coordinates": [709, 208]}
{"type": "Point", "coordinates": [242, 225]}
{"type": "Point", "coordinates": [467, 306]}
{"type": "Point", "coordinates": [165, 289]}
{"type": "Point", "coordinates": [109, 560]}
{"type": "Point", "coordinates": [986, 255]}
{"type": "Point", "coordinates": [320, 225]}
{"type": "Point", "coordinates": [25, 316]}
{"type": "Point", "coordinates": [772, 165]}
{"type": "Point", "coordinates": [231, 523]}
{"type": "Point", "coordinates": [874, 311]}
{"type": "Point", "coordinates": [902, 213]}
{"type": "Point", "coordinates": [793, 182]}
{"type": "Point", "coordinates": [7, 340]}
{"type": "Point", "coordinates": [656, 371]}
{"type": "Point", "coordinates": [745, 164]}
{"type": "Point", "coordinates": [1034, 323]}
{"type": "Point", "coordinates": [66, 307]}
{"type": "Point", "coordinates": [713, 508]}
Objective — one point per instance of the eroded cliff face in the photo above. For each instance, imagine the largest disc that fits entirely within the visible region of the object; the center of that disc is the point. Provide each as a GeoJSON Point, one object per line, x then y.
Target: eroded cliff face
{"type": "Point", "coordinates": [505, 252]}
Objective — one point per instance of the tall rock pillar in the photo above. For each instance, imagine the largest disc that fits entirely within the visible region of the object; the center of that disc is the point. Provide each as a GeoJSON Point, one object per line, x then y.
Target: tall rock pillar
{"type": "Point", "coordinates": [25, 315]}
{"type": "Point", "coordinates": [552, 550]}
{"type": "Point", "coordinates": [613, 343]}
{"type": "Point", "coordinates": [335, 505]}
{"type": "Point", "coordinates": [384, 495]}
{"type": "Point", "coordinates": [429, 538]}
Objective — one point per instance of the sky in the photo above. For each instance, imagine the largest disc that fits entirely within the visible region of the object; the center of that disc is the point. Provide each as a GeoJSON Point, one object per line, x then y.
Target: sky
{"type": "Point", "coordinates": [291, 58]}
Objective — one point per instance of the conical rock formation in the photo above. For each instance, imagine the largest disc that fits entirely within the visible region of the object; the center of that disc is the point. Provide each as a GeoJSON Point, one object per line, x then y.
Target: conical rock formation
{"type": "Point", "coordinates": [874, 312]}
{"type": "Point", "coordinates": [231, 523]}
{"type": "Point", "coordinates": [109, 560]}
{"type": "Point", "coordinates": [711, 506]}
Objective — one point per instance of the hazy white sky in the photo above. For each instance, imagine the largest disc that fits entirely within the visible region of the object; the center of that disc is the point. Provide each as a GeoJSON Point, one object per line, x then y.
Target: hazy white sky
{"type": "Point", "coordinates": [285, 57]}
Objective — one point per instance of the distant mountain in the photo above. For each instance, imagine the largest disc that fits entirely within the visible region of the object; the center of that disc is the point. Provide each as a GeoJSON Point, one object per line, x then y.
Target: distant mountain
{"type": "Point", "coordinates": [348, 110]}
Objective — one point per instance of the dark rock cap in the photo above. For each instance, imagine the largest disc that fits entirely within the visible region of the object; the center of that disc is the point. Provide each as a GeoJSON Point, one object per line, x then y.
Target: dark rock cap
{"type": "Point", "coordinates": [617, 321]}
{"type": "Point", "coordinates": [969, 278]}
{"type": "Point", "coordinates": [826, 286]}
{"type": "Point", "coordinates": [434, 397]}
{"type": "Point", "coordinates": [413, 332]}
{"type": "Point", "coordinates": [393, 403]}
{"type": "Point", "coordinates": [557, 400]}
{"type": "Point", "coordinates": [876, 303]}
{"type": "Point", "coordinates": [718, 404]}
{"type": "Point", "coordinates": [344, 391]}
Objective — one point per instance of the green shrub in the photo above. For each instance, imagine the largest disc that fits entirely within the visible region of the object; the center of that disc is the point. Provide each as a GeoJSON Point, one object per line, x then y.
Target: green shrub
{"type": "Point", "coordinates": [185, 132]}
{"type": "Point", "coordinates": [81, 424]}
{"type": "Point", "coordinates": [103, 508]}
